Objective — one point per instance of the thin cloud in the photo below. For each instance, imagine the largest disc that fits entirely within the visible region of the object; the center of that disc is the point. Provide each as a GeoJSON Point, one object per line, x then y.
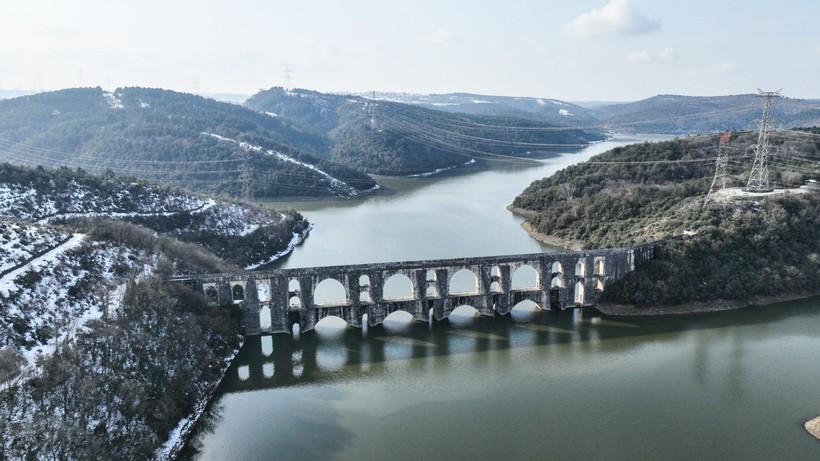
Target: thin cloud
{"type": "Point", "coordinates": [666, 54]}
{"type": "Point", "coordinates": [616, 18]}
{"type": "Point", "coordinates": [437, 37]}
{"type": "Point", "coordinates": [723, 67]}
{"type": "Point", "coordinates": [541, 50]}
{"type": "Point", "coordinates": [640, 56]}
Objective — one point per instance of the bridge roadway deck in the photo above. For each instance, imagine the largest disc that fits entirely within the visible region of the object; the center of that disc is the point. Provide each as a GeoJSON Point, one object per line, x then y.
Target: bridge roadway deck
{"type": "Point", "coordinates": [273, 301]}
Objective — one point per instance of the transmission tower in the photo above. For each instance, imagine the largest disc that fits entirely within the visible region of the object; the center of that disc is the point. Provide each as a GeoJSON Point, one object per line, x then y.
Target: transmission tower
{"type": "Point", "coordinates": [246, 178]}
{"type": "Point", "coordinates": [287, 73]}
{"type": "Point", "coordinates": [195, 84]}
{"type": "Point", "coordinates": [759, 177]}
{"type": "Point", "coordinates": [722, 162]}
{"type": "Point", "coordinates": [371, 111]}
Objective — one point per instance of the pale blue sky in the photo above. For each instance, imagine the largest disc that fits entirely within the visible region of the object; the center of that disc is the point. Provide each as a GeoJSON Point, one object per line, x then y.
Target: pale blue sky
{"type": "Point", "coordinates": [581, 50]}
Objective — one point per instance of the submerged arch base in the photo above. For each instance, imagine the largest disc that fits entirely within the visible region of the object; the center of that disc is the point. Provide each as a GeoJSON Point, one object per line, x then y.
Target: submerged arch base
{"type": "Point", "coordinates": [433, 291]}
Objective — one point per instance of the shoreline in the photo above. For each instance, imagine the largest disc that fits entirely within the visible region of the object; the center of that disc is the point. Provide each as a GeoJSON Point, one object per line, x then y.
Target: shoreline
{"type": "Point", "coordinates": [691, 307]}
{"type": "Point", "coordinates": [701, 307]}
{"type": "Point", "coordinates": [181, 434]}
{"type": "Point", "coordinates": [569, 244]}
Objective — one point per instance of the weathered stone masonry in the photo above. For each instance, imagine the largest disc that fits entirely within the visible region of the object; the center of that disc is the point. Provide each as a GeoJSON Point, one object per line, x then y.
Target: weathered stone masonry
{"type": "Point", "coordinates": [563, 280]}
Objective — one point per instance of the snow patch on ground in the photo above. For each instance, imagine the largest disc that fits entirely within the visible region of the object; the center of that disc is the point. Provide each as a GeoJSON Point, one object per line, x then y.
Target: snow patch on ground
{"type": "Point", "coordinates": [113, 101]}
{"type": "Point", "coordinates": [49, 297]}
{"type": "Point", "coordinates": [336, 185]}
{"type": "Point", "coordinates": [21, 242]}
{"type": "Point", "coordinates": [232, 220]}
{"type": "Point", "coordinates": [565, 113]}
{"type": "Point", "coordinates": [738, 192]}
{"type": "Point", "coordinates": [7, 282]}
{"type": "Point", "coordinates": [25, 202]}
{"type": "Point", "coordinates": [440, 170]}
{"type": "Point", "coordinates": [296, 240]}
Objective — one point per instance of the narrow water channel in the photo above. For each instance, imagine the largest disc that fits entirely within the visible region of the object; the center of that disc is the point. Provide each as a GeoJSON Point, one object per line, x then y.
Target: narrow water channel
{"type": "Point", "coordinates": [533, 385]}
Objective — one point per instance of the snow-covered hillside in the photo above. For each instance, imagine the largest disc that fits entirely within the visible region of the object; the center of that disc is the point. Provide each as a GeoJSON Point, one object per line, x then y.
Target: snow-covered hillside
{"type": "Point", "coordinates": [46, 201]}
{"type": "Point", "coordinates": [21, 242]}
{"type": "Point", "coordinates": [100, 356]}
{"type": "Point", "coordinates": [52, 278]}
{"type": "Point", "coordinates": [48, 294]}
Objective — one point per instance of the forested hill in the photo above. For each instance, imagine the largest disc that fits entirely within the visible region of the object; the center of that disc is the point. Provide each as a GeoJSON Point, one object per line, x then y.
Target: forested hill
{"type": "Point", "coordinates": [668, 114]}
{"type": "Point", "coordinates": [177, 138]}
{"type": "Point", "coordinates": [692, 114]}
{"type": "Point", "coordinates": [724, 249]}
{"type": "Point", "coordinates": [542, 109]}
{"type": "Point", "coordinates": [394, 138]}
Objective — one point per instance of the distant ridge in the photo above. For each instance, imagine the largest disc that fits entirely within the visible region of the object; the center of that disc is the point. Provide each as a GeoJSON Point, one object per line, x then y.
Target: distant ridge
{"type": "Point", "coordinates": [669, 114]}
{"type": "Point", "coordinates": [167, 136]}
{"type": "Point", "coordinates": [675, 114]}
{"type": "Point", "coordinates": [6, 94]}
{"type": "Point", "coordinates": [391, 137]}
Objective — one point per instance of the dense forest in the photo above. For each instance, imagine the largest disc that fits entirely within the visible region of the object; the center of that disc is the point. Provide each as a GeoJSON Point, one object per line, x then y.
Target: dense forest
{"type": "Point", "coordinates": [177, 138]}
{"type": "Point", "coordinates": [721, 249]}
{"type": "Point", "coordinates": [391, 138]}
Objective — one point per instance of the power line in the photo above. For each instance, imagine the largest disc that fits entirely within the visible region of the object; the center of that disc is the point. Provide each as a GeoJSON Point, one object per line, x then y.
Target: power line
{"type": "Point", "coordinates": [429, 128]}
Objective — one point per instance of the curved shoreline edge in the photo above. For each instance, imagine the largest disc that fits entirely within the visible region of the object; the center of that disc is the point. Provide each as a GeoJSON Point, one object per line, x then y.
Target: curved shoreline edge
{"type": "Point", "coordinates": [692, 307]}
{"type": "Point", "coordinates": [184, 431]}
{"type": "Point", "coordinates": [701, 307]}
{"type": "Point", "coordinates": [569, 244]}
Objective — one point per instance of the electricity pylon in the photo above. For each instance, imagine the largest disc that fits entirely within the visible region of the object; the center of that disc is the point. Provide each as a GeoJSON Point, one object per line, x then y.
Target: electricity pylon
{"type": "Point", "coordinates": [246, 178]}
{"type": "Point", "coordinates": [759, 177]}
{"type": "Point", "coordinates": [287, 73]}
{"type": "Point", "coordinates": [722, 162]}
{"type": "Point", "coordinates": [371, 112]}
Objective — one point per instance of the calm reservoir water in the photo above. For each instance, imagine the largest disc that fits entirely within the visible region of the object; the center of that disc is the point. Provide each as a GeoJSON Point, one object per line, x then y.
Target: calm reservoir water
{"type": "Point", "coordinates": [535, 385]}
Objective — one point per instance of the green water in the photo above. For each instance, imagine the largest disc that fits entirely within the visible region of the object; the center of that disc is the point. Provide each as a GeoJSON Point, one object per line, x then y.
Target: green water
{"type": "Point", "coordinates": [723, 386]}
{"type": "Point", "coordinates": [734, 385]}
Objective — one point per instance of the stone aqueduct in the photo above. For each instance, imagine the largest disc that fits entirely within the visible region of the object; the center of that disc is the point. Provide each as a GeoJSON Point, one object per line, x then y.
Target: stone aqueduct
{"type": "Point", "coordinates": [273, 301]}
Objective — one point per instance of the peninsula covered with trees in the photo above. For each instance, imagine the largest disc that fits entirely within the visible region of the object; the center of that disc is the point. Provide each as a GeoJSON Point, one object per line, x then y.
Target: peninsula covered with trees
{"type": "Point", "coordinates": [727, 248]}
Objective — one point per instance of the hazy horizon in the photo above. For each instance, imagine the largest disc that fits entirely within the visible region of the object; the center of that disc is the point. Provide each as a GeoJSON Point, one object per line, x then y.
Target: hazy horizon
{"type": "Point", "coordinates": [589, 50]}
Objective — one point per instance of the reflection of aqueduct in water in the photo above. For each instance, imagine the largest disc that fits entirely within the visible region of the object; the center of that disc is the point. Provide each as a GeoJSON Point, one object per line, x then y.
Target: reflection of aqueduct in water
{"type": "Point", "coordinates": [273, 301]}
